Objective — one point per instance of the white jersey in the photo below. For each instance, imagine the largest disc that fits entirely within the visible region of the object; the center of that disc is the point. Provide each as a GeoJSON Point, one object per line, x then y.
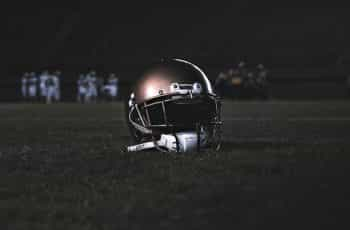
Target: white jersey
{"type": "Point", "coordinates": [56, 81]}
{"type": "Point", "coordinates": [83, 86]}
{"type": "Point", "coordinates": [32, 86]}
{"type": "Point", "coordinates": [113, 81]}
{"type": "Point", "coordinates": [92, 86]}
{"type": "Point", "coordinates": [50, 89]}
{"type": "Point", "coordinates": [112, 87]}
{"type": "Point", "coordinates": [111, 90]}
{"type": "Point", "coordinates": [43, 85]}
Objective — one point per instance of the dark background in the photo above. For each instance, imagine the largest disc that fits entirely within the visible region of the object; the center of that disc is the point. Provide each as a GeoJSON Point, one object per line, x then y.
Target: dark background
{"type": "Point", "coordinates": [297, 43]}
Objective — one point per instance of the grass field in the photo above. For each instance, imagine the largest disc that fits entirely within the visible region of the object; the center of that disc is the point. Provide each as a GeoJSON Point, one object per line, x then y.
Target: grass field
{"type": "Point", "coordinates": [283, 165]}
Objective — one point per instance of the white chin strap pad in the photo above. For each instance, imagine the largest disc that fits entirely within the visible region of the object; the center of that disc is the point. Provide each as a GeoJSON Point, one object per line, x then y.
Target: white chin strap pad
{"type": "Point", "coordinates": [187, 142]}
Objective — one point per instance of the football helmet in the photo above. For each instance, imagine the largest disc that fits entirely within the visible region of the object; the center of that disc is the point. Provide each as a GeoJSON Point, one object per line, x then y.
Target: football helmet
{"type": "Point", "coordinates": [172, 107]}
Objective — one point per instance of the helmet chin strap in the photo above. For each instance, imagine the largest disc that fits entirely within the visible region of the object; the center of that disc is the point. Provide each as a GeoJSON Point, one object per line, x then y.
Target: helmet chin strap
{"type": "Point", "coordinates": [142, 146]}
{"type": "Point", "coordinates": [180, 142]}
{"type": "Point", "coordinates": [166, 141]}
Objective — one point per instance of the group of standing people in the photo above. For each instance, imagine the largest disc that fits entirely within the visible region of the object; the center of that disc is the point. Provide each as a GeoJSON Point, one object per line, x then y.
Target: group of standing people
{"type": "Point", "coordinates": [243, 82]}
{"type": "Point", "coordinates": [44, 87]}
{"type": "Point", "coordinates": [91, 87]}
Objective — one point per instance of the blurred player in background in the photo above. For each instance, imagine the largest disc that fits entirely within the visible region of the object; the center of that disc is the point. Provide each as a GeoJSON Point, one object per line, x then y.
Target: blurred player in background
{"type": "Point", "coordinates": [261, 81]}
{"type": "Point", "coordinates": [242, 69]}
{"type": "Point", "coordinates": [50, 89]}
{"type": "Point", "coordinates": [92, 87]}
{"type": "Point", "coordinates": [220, 83]}
{"type": "Point", "coordinates": [42, 84]}
{"type": "Point", "coordinates": [32, 87]}
{"type": "Point", "coordinates": [250, 86]}
{"type": "Point", "coordinates": [82, 88]}
{"type": "Point", "coordinates": [111, 88]}
{"type": "Point", "coordinates": [24, 86]}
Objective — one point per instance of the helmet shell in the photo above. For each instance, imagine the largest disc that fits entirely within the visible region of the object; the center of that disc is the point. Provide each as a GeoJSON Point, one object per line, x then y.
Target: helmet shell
{"type": "Point", "coordinates": [157, 80]}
